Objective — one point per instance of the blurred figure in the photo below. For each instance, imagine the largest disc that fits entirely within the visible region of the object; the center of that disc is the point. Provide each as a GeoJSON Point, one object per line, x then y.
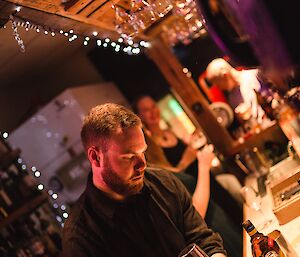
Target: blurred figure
{"type": "Point", "coordinates": [169, 152]}
{"type": "Point", "coordinates": [239, 87]}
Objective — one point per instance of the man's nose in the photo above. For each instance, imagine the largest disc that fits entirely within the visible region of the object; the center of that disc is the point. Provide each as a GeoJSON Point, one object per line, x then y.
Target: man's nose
{"type": "Point", "coordinates": [140, 163]}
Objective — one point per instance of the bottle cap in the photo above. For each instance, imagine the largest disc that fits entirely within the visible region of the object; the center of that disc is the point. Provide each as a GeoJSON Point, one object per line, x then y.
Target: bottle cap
{"type": "Point", "coordinates": [249, 227]}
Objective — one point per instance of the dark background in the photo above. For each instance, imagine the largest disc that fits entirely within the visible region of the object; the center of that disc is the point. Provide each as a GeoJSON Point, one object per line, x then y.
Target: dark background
{"type": "Point", "coordinates": [137, 75]}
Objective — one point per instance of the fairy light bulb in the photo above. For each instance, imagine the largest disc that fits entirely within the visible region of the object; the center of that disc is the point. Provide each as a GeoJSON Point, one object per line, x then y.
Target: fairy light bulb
{"type": "Point", "coordinates": [40, 187]}
{"type": "Point", "coordinates": [37, 174]}
{"type": "Point", "coordinates": [147, 44]}
{"type": "Point", "coordinates": [5, 135]}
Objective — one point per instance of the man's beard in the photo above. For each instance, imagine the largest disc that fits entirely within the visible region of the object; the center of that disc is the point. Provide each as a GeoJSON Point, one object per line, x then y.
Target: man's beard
{"type": "Point", "coordinates": [118, 185]}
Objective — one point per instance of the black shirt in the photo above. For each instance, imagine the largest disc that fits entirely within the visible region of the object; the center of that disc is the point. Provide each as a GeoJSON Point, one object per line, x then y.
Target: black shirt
{"type": "Point", "coordinates": [158, 222]}
{"type": "Point", "coordinates": [174, 153]}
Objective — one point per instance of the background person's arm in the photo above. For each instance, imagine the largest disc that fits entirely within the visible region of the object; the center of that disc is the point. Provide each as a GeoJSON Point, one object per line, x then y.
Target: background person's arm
{"type": "Point", "coordinates": [202, 192]}
{"type": "Point", "coordinates": [194, 228]}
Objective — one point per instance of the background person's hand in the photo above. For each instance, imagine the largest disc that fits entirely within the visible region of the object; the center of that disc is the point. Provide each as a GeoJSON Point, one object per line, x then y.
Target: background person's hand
{"type": "Point", "coordinates": [197, 139]}
{"type": "Point", "coordinates": [206, 155]}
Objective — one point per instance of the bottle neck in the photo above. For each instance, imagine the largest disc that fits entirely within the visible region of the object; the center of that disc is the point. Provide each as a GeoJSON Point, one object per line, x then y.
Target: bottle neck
{"type": "Point", "coordinates": [254, 233]}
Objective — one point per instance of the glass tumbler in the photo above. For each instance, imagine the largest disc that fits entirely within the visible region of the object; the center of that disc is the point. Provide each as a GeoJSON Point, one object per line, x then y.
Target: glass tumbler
{"type": "Point", "coordinates": [192, 250]}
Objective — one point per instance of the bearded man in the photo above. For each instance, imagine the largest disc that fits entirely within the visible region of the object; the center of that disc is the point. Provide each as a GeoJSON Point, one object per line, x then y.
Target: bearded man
{"type": "Point", "coordinates": [126, 209]}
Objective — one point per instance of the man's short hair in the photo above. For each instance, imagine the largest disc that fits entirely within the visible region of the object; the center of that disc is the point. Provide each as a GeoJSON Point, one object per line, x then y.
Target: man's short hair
{"type": "Point", "coordinates": [216, 68]}
{"type": "Point", "coordinates": [104, 120]}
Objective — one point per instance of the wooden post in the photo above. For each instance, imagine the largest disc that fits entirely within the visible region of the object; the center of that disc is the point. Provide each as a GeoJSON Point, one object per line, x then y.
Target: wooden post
{"type": "Point", "coordinates": [190, 94]}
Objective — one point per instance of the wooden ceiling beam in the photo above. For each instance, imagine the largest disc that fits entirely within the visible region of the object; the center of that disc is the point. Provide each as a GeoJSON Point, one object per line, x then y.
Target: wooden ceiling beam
{"type": "Point", "coordinates": [55, 7]}
{"type": "Point", "coordinates": [190, 94]}
{"type": "Point", "coordinates": [78, 6]}
{"type": "Point", "coordinates": [92, 7]}
{"type": "Point", "coordinates": [43, 5]}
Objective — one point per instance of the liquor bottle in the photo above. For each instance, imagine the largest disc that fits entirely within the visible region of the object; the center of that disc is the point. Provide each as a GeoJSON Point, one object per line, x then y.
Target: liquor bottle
{"type": "Point", "coordinates": [264, 98]}
{"type": "Point", "coordinates": [261, 245]}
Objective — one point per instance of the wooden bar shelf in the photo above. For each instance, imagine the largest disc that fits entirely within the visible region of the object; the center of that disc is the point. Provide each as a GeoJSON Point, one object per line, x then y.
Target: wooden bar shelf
{"type": "Point", "coordinates": [272, 133]}
{"type": "Point", "coordinates": [23, 210]}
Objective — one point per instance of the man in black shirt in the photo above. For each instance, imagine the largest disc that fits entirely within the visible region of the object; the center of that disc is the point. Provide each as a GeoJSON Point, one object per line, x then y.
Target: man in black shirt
{"type": "Point", "coordinates": [126, 209]}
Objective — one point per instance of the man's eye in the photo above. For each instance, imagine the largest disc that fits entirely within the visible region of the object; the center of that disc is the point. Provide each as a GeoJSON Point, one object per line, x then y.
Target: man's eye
{"type": "Point", "coordinates": [128, 157]}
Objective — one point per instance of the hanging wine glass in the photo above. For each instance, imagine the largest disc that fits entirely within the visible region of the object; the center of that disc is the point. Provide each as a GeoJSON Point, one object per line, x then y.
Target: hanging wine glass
{"type": "Point", "coordinates": [142, 14]}
{"type": "Point", "coordinates": [124, 23]}
{"type": "Point", "coordinates": [169, 35]}
{"type": "Point", "coordinates": [182, 31]}
{"type": "Point", "coordinates": [161, 7]}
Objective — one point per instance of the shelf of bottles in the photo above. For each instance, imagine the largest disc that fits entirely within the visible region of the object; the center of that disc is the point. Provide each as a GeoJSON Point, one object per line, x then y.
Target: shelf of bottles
{"type": "Point", "coordinates": [286, 110]}
{"type": "Point", "coordinates": [28, 224]}
{"type": "Point", "coordinates": [262, 147]}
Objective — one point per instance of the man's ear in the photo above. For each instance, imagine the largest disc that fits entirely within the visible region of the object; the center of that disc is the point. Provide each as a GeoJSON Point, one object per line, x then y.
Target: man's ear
{"type": "Point", "coordinates": [94, 156]}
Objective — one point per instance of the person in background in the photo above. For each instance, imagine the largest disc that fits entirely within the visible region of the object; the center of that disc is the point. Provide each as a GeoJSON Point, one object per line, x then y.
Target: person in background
{"type": "Point", "coordinates": [162, 153]}
{"type": "Point", "coordinates": [167, 151]}
{"type": "Point", "coordinates": [239, 87]}
{"type": "Point", "coordinates": [128, 209]}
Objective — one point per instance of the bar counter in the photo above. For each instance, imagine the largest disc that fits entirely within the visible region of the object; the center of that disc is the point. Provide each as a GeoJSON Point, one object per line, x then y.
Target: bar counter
{"type": "Point", "coordinates": [290, 230]}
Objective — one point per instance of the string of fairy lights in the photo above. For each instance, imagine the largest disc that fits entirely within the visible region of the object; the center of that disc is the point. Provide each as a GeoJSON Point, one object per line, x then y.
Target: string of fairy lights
{"type": "Point", "coordinates": [122, 44]}
{"type": "Point", "coordinates": [60, 209]}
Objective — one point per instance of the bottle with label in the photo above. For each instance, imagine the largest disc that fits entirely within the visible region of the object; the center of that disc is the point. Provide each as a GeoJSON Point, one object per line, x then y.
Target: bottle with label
{"type": "Point", "coordinates": [261, 245]}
